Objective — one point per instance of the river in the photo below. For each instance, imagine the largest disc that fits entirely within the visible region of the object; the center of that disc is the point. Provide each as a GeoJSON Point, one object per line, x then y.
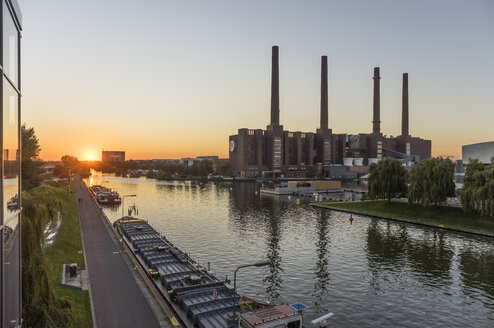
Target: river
{"type": "Point", "coordinates": [370, 273]}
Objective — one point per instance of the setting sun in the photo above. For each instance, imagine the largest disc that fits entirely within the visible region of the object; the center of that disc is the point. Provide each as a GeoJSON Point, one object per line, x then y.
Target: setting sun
{"type": "Point", "coordinates": [90, 157]}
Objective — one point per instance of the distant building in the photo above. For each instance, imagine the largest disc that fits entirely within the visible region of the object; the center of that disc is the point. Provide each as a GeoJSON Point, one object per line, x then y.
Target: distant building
{"type": "Point", "coordinates": [482, 151]}
{"type": "Point", "coordinates": [189, 161]}
{"type": "Point", "coordinates": [275, 152]}
{"type": "Point", "coordinates": [112, 156]}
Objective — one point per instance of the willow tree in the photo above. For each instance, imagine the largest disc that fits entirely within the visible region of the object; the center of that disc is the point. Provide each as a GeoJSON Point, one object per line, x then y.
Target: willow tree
{"type": "Point", "coordinates": [41, 308]}
{"type": "Point", "coordinates": [477, 195]}
{"type": "Point", "coordinates": [432, 181]}
{"type": "Point", "coordinates": [387, 179]}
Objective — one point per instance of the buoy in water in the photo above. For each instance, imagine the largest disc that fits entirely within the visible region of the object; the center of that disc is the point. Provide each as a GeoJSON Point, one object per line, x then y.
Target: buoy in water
{"type": "Point", "coordinates": [351, 219]}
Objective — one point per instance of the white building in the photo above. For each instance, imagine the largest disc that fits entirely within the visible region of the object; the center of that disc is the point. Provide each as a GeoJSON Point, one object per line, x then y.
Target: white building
{"type": "Point", "coordinates": [482, 151]}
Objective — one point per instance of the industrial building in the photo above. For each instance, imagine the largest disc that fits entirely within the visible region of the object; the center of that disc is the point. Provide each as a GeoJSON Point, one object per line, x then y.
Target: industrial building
{"type": "Point", "coordinates": [482, 151]}
{"type": "Point", "coordinates": [274, 152]}
{"type": "Point", "coordinates": [112, 156]}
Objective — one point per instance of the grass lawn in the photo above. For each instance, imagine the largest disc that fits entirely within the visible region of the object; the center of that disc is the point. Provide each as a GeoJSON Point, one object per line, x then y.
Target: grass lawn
{"type": "Point", "coordinates": [446, 216]}
{"type": "Point", "coordinates": [65, 250]}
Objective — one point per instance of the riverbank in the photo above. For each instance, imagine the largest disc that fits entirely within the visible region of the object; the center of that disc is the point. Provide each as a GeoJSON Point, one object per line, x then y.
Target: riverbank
{"type": "Point", "coordinates": [439, 217]}
{"type": "Point", "coordinates": [65, 249]}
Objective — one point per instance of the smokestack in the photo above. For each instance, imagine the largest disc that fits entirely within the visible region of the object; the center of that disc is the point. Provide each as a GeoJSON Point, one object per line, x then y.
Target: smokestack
{"type": "Point", "coordinates": [324, 93]}
{"type": "Point", "coordinates": [275, 88]}
{"type": "Point", "coordinates": [376, 122]}
{"type": "Point", "coordinates": [404, 106]}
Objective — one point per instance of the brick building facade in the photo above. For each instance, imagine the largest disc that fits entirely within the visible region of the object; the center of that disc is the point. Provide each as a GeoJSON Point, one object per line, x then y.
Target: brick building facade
{"type": "Point", "coordinates": [274, 152]}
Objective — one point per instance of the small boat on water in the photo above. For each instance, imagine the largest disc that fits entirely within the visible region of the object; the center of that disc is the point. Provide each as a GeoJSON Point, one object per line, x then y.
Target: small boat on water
{"type": "Point", "coordinates": [197, 296]}
{"type": "Point", "coordinates": [13, 203]}
{"type": "Point", "coordinates": [105, 196]}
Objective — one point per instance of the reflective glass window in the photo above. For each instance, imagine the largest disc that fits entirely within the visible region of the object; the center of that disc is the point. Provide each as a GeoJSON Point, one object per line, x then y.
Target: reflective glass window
{"type": "Point", "coordinates": [10, 46]}
{"type": "Point", "coordinates": [10, 180]}
{"type": "Point", "coordinates": [10, 152]}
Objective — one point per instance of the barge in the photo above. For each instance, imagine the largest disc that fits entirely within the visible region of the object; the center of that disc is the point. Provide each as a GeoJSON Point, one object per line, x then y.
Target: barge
{"type": "Point", "coordinates": [105, 196]}
{"type": "Point", "coordinates": [198, 298]}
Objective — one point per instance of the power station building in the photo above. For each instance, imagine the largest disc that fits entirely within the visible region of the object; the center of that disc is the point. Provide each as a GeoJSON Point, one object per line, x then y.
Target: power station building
{"type": "Point", "coordinates": [274, 152]}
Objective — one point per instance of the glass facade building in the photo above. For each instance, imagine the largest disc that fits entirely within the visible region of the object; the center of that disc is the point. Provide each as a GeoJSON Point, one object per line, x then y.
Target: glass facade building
{"type": "Point", "coordinates": [10, 270]}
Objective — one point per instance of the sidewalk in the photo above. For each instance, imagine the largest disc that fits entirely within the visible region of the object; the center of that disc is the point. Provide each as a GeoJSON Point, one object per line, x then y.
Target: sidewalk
{"type": "Point", "coordinates": [116, 299]}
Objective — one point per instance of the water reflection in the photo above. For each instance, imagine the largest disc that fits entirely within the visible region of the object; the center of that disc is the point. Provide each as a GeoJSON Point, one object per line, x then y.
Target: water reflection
{"type": "Point", "coordinates": [321, 273]}
{"type": "Point", "coordinates": [430, 256]}
{"type": "Point", "coordinates": [477, 274]}
{"type": "Point", "coordinates": [418, 277]}
{"type": "Point", "coordinates": [273, 279]}
{"type": "Point", "coordinates": [391, 247]}
{"type": "Point", "coordinates": [385, 246]}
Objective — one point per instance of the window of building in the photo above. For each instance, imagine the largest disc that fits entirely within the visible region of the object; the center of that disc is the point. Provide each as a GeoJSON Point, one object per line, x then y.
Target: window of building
{"type": "Point", "coordinates": [10, 47]}
{"type": "Point", "coordinates": [277, 153]}
{"type": "Point", "coordinates": [250, 132]}
{"type": "Point", "coordinates": [10, 269]}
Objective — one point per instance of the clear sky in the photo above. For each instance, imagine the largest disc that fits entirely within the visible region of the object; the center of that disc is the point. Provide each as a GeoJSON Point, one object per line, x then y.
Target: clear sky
{"type": "Point", "coordinates": [169, 79]}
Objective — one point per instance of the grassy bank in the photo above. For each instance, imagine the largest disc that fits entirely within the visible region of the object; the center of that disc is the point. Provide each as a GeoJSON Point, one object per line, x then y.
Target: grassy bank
{"type": "Point", "coordinates": [446, 216]}
{"type": "Point", "coordinates": [65, 250]}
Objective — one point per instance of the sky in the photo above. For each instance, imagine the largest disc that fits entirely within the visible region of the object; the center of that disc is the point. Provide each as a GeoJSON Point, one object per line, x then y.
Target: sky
{"type": "Point", "coordinates": [172, 79]}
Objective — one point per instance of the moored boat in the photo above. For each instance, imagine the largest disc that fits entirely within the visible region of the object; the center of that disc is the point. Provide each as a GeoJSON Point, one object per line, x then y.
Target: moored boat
{"type": "Point", "coordinates": [105, 196]}
{"type": "Point", "coordinates": [198, 297]}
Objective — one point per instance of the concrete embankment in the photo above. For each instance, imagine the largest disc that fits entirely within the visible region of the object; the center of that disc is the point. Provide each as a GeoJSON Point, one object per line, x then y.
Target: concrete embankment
{"type": "Point", "coordinates": [427, 224]}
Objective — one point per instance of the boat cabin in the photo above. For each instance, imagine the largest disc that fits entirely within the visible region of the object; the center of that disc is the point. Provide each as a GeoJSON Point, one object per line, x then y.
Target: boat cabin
{"type": "Point", "coordinates": [279, 316]}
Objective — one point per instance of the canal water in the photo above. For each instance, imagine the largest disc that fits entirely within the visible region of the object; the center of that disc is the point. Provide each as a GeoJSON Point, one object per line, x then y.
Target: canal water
{"type": "Point", "coordinates": [369, 273]}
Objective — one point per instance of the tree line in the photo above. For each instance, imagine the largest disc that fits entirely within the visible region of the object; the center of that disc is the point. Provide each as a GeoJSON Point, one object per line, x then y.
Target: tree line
{"type": "Point", "coordinates": [156, 170]}
{"type": "Point", "coordinates": [431, 182]}
{"type": "Point", "coordinates": [477, 195]}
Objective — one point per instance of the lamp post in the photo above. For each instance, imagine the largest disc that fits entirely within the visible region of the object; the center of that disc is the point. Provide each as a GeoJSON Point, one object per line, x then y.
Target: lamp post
{"type": "Point", "coordinates": [123, 199]}
{"type": "Point", "coordinates": [257, 264]}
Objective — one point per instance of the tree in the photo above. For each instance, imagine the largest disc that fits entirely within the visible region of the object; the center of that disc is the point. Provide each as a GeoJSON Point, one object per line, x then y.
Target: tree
{"type": "Point", "coordinates": [41, 308]}
{"type": "Point", "coordinates": [70, 162]}
{"type": "Point", "coordinates": [387, 179]}
{"type": "Point", "coordinates": [224, 170]}
{"type": "Point", "coordinates": [477, 195]}
{"type": "Point", "coordinates": [31, 164]}
{"type": "Point", "coordinates": [432, 181]}
{"type": "Point", "coordinates": [200, 169]}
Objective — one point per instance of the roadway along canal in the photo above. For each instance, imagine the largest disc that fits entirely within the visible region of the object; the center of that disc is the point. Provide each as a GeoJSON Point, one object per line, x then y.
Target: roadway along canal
{"type": "Point", "coordinates": [371, 273]}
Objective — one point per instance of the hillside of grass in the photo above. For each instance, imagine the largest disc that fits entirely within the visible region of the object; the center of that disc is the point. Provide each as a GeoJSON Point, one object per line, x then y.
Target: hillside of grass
{"type": "Point", "coordinates": [66, 249]}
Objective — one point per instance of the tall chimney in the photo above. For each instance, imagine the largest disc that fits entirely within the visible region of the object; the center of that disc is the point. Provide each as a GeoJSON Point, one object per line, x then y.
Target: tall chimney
{"type": "Point", "coordinates": [404, 106]}
{"type": "Point", "coordinates": [275, 88]}
{"type": "Point", "coordinates": [324, 93]}
{"type": "Point", "coordinates": [376, 122]}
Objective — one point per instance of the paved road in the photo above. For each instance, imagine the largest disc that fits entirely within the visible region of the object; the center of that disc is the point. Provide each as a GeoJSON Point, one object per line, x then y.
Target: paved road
{"type": "Point", "coordinates": [116, 298]}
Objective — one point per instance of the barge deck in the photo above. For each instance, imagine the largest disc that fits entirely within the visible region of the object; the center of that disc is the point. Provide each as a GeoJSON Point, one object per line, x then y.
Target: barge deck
{"type": "Point", "coordinates": [198, 298]}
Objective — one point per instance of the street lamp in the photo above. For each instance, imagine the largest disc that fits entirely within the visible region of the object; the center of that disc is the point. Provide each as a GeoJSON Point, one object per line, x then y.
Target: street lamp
{"type": "Point", "coordinates": [257, 264]}
{"type": "Point", "coordinates": [123, 199]}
